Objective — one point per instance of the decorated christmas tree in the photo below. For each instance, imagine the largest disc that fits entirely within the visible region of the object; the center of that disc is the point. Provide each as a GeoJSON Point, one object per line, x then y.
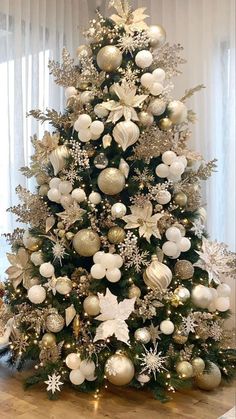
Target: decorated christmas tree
{"type": "Point", "coordinates": [113, 279]}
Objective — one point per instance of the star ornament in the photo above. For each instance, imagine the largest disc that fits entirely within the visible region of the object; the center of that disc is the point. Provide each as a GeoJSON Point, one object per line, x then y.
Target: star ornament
{"type": "Point", "coordinates": [142, 218]}
{"type": "Point", "coordinates": [53, 383]}
{"type": "Point", "coordinates": [113, 316]}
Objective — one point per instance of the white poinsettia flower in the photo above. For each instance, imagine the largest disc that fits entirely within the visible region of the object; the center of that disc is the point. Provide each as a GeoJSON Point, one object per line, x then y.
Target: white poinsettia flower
{"type": "Point", "coordinates": [131, 20]}
{"type": "Point", "coordinates": [128, 100]}
{"type": "Point", "coordinates": [143, 219]}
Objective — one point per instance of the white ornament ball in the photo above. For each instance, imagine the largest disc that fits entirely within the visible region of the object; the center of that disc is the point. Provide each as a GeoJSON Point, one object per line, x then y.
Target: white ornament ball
{"type": "Point", "coordinates": [78, 194]}
{"type": "Point", "coordinates": [201, 296]}
{"type": "Point", "coordinates": [162, 170]}
{"type": "Point", "coordinates": [46, 270]}
{"type": "Point", "coordinates": [83, 122]}
{"type": "Point", "coordinates": [36, 258]}
{"type": "Point", "coordinates": [142, 335]}
{"type": "Point", "coordinates": [86, 97]}
{"type": "Point", "coordinates": [168, 157]}
{"type": "Point", "coordinates": [66, 200]}
{"type": "Point", "coordinates": [156, 89]}
{"type": "Point", "coordinates": [76, 377]}
{"type": "Point", "coordinates": [170, 248]}
{"type": "Point", "coordinates": [144, 58]}
{"type": "Point", "coordinates": [73, 361]}
{"type": "Point", "coordinates": [87, 368]}
{"type": "Point", "coordinates": [95, 198]}
{"type": "Point", "coordinates": [113, 275]}
{"type": "Point", "coordinates": [143, 378]}
{"type": "Point", "coordinates": [184, 244]}
{"type": "Point", "coordinates": [54, 182]}
{"type": "Point", "coordinates": [222, 304]}
{"type": "Point", "coordinates": [163, 197]}
{"type": "Point", "coordinates": [159, 75]}
{"type": "Point", "coordinates": [173, 234]}
{"type": "Point", "coordinates": [147, 80]}
{"type": "Point", "coordinates": [118, 261]}
{"type": "Point", "coordinates": [54, 195]}
{"type": "Point", "coordinates": [85, 135]}
{"type": "Point", "coordinates": [108, 260]}
{"type": "Point", "coordinates": [176, 168]}
{"type": "Point", "coordinates": [70, 91]}
{"type": "Point", "coordinates": [157, 107]}
{"type": "Point", "coordinates": [223, 290]}
{"type": "Point", "coordinates": [97, 127]}
{"type": "Point", "coordinates": [100, 111]}
{"type": "Point", "coordinates": [91, 305]}
{"type": "Point", "coordinates": [36, 294]}
{"type": "Point", "coordinates": [98, 271]}
{"type": "Point", "coordinates": [65, 187]}
{"type": "Point", "coordinates": [177, 111]}
{"type": "Point", "coordinates": [118, 210]}
{"type": "Point", "coordinates": [167, 327]}
{"type": "Point", "coordinates": [97, 257]}
{"type": "Point", "coordinates": [157, 35]}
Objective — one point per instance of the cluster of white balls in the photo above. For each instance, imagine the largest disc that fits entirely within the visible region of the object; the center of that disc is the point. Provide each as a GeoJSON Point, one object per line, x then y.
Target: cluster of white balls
{"type": "Point", "coordinates": [176, 243]}
{"type": "Point", "coordinates": [107, 265]}
{"type": "Point", "coordinates": [88, 129]}
{"type": "Point", "coordinates": [143, 59]}
{"type": "Point", "coordinates": [173, 166]}
{"type": "Point", "coordinates": [212, 298]}
{"type": "Point", "coordinates": [80, 370]}
{"type": "Point", "coordinates": [154, 81]}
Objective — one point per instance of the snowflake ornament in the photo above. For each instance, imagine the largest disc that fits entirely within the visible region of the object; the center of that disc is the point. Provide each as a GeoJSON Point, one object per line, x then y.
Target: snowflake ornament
{"type": "Point", "coordinates": [188, 324]}
{"type": "Point", "coordinates": [198, 228]}
{"type": "Point", "coordinates": [54, 383]}
{"type": "Point", "coordinates": [152, 361]}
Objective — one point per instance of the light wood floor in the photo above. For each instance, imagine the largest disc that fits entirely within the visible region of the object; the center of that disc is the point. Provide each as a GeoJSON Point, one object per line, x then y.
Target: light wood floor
{"type": "Point", "coordinates": [115, 403]}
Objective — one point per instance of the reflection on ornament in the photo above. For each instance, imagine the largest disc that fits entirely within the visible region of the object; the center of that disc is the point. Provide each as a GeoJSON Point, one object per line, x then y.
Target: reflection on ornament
{"type": "Point", "coordinates": [100, 161]}
{"type": "Point", "coordinates": [126, 133]}
{"type": "Point", "coordinates": [157, 35]}
{"type": "Point", "coordinates": [142, 335]}
{"type": "Point", "coordinates": [55, 322]}
{"type": "Point", "coordinates": [86, 242]}
{"type": "Point", "coordinates": [111, 181]}
{"type": "Point", "coordinates": [184, 269]}
{"type": "Point", "coordinates": [116, 235]}
{"type": "Point", "coordinates": [209, 379]}
{"type": "Point", "coordinates": [198, 365]}
{"type": "Point", "coordinates": [109, 58]}
{"type": "Point", "coordinates": [157, 275]}
{"type": "Point", "coordinates": [184, 369]}
{"type": "Point", "coordinates": [119, 369]}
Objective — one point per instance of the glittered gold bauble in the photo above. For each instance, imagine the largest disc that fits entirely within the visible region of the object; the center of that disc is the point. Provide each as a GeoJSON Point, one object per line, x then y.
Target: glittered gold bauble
{"type": "Point", "coordinates": [91, 305]}
{"type": "Point", "coordinates": [165, 124]}
{"type": "Point", "coordinates": [157, 276]}
{"type": "Point", "coordinates": [119, 369]}
{"type": "Point", "coordinates": [111, 181]}
{"type": "Point", "coordinates": [84, 51]}
{"type": "Point", "coordinates": [209, 379]}
{"type": "Point", "coordinates": [86, 242]}
{"type": "Point", "coordinates": [134, 291]}
{"type": "Point", "coordinates": [145, 118]}
{"type": "Point", "coordinates": [198, 365]}
{"type": "Point", "coordinates": [157, 35]}
{"type": "Point", "coordinates": [55, 322]}
{"type": "Point", "coordinates": [184, 269]}
{"type": "Point", "coordinates": [116, 235]}
{"type": "Point", "coordinates": [109, 58]}
{"type": "Point", "coordinates": [48, 339]}
{"type": "Point", "coordinates": [184, 369]}
{"type": "Point", "coordinates": [63, 285]}
{"type": "Point", "coordinates": [179, 337]}
{"type": "Point", "coordinates": [180, 199]}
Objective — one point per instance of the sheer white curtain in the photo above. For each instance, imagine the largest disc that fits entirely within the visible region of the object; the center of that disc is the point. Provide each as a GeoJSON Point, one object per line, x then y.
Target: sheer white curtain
{"type": "Point", "coordinates": [32, 31]}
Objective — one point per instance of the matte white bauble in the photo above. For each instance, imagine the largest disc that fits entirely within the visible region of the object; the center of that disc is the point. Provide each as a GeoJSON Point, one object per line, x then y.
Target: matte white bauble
{"type": "Point", "coordinates": [108, 260]}
{"type": "Point", "coordinates": [214, 293]}
{"type": "Point", "coordinates": [143, 378]}
{"type": "Point", "coordinates": [97, 127]}
{"type": "Point", "coordinates": [157, 35]}
{"type": "Point", "coordinates": [118, 261]}
{"type": "Point", "coordinates": [163, 197]}
{"type": "Point", "coordinates": [159, 75]}
{"type": "Point", "coordinates": [113, 275]}
{"type": "Point", "coordinates": [156, 89]}
{"type": "Point", "coordinates": [91, 377]}
{"type": "Point", "coordinates": [118, 210]}
{"type": "Point", "coordinates": [91, 305]}
{"type": "Point", "coordinates": [36, 294]}
{"type": "Point", "coordinates": [222, 304]}
{"type": "Point", "coordinates": [46, 270]}
{"type": "Point", "coordinates": [201, 296]}
{"type": "Point", "coordinates": [184, 244]}
{"type": "Point", "coordinates": [73, 361]}
{"type": "Point", "coordinates": [76, 377]}
{"type": "Point", "coordinates": [85, 135]}
{"type": "Point", "coordinates": [143, 59]}
{"type": "Point", "coordinates": [223, 290]}
{"type": "Point", "coordinates": [100, 111]}
{"type": "Point", "coordinates": [170, 248]}
{"type": "Point", "coordinates": [176, 255]}
{"type": "Point", "coordinates": [86, 97]}
{"type": "Point", "coordinates": [66, 200]}
{"type": "Point", "coordinates": [54, 182]}
{"type": "Point", "coordinates": [177, 111]}
{"type": "Point", "coordinates": [98, 271]}
{"type": "Point", "coordinates": [126, 133]}
{"type": "Point", "coordinates": [83, 122]}
{"type": "Point", "coordinates": [70, 91]}
{"type": "Point", "coordinates": [173, 234]}
{"type": "Point", "coordinates": [78, 194]}
{"type": "Point", "coordinates": [97, 257]}
{"type": "Point", "coordinates": [157, 107]}
{"type": "Point", "coordinates": [36, 258]}
{"type": "Point", "coordinates": [65, 187]}
{"type": "Point", "coordinates": [168, 157]}
{"type": "Point", "coordinates": [58, 158]}
{"type": "Point", "coordinates": [95, 198]}
{"type": "Point", "coordinates": [162, 170]}
{"type": "Point", "coordinates": [167, 327]}
{"type": "Point", "coordinates": [54, 195]}
{"type": "Point", "coordinates": [147, 80]}
{"type": "Point", "coordinates": [87, 368]}
{"type": "Point", "coordinates": [145, 118]}
{"type": "Point", "coordinates": [176, 168]}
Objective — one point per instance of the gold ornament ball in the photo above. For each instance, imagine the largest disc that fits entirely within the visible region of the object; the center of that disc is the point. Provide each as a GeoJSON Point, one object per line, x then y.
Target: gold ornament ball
{"type": "Point", "coordinates": [182, 293]}
{"type": "Point", "coordinates": [184, 369]}
{"type": "Point", "coordinates": [119, 370]}
{"type": "Point", "coordinates": [30, 242]}
{"type": "Point", "coordinates": [145, 118]}
{"type": "Point", "coordinates": [165, 124]}
{"type": "Point", "coordinates": [48, 339]}
{"type": "Point", "coordinates": [180, 199]}
{"type": "Point", "coordinates": [111, 181]}
{"type": "Point", "coordinates": [209, 379]}
{"type": "Point", "coordinates": [142, 335]}
{"type": "Point", "coordinates": [116, 235]}
{"type": "Point", "coordinates": [134, 292]}
{"type": "Point", "coordinates": [63, 285]}
{"type": "Point", "coordinates": [198, 365]}
{"type": "Point", "coordinates": [91, 305]}
{"type": "Point", "coordinates": [179, 337]}
{"type": "Point", "coordinates": [86, 242]}
{"type": "Point", "coordinates": [184, 269]}
{"type": "Point", "coordinates": [55, 322]}
{"type": "Point", "coordinates": [109, 58]}
{"type": "Point", "coordinates": [157, 35]}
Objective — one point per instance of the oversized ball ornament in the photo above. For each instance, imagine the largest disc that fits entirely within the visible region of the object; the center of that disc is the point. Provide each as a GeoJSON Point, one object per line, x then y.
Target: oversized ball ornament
{"type": "Point", "coordinates": [48, 339]}
{"type": "Point", "coordinates": [91, 305]}
{"type": "Point", "coordinates": [184, 369]}
{"type": "Point", "coordinates": [111, 181]}
{"type": "Point", "coordinates": [145, 118]}
{"type": "Point", "coordinates": [113, 275]}
{"type": "Point", "coordinates": [76, 377]}
{"type": "Point", "coordinates": [143, 59]}
{"type": "Point", "coordinates": [198, 365]}
{"type": "Point", "coordinates": [142, 335]}
{"type": "Point", "coordinates": [36, 294]}
{"type": "Point", "coordinates": [73, 361]}
{"type": "Point", "coordinates": [134, 291]}
{"type": "Point", "coordinates": [86, 242]}
{"type": "Point", "coordinates": [157, 275]}
{"type": "Point", "coordinates": [163, 197]}
{"type": "Point", "coordinates": [118, 210]}
{"type": "Point", "coordinates": [184, 269]}
{"type": "Point", "coordinates": [116, 235]}
{"type": "Point", "coordinates": [209, 379]}
{"type": "Point", "coordinates": [98, 271]}
{"type": "Point", "coordinates": [63, 285]}
{"type": "Point", "coordinates": [109, 58]}
{"type": "Point", "coordinates": [167, 327]}
{"type": "Point", "coordinates": [157, 35]}
{"type": "Point", "coordinates": [119, 369]}
{"type": "Point", "coordinates": [55, 322]}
